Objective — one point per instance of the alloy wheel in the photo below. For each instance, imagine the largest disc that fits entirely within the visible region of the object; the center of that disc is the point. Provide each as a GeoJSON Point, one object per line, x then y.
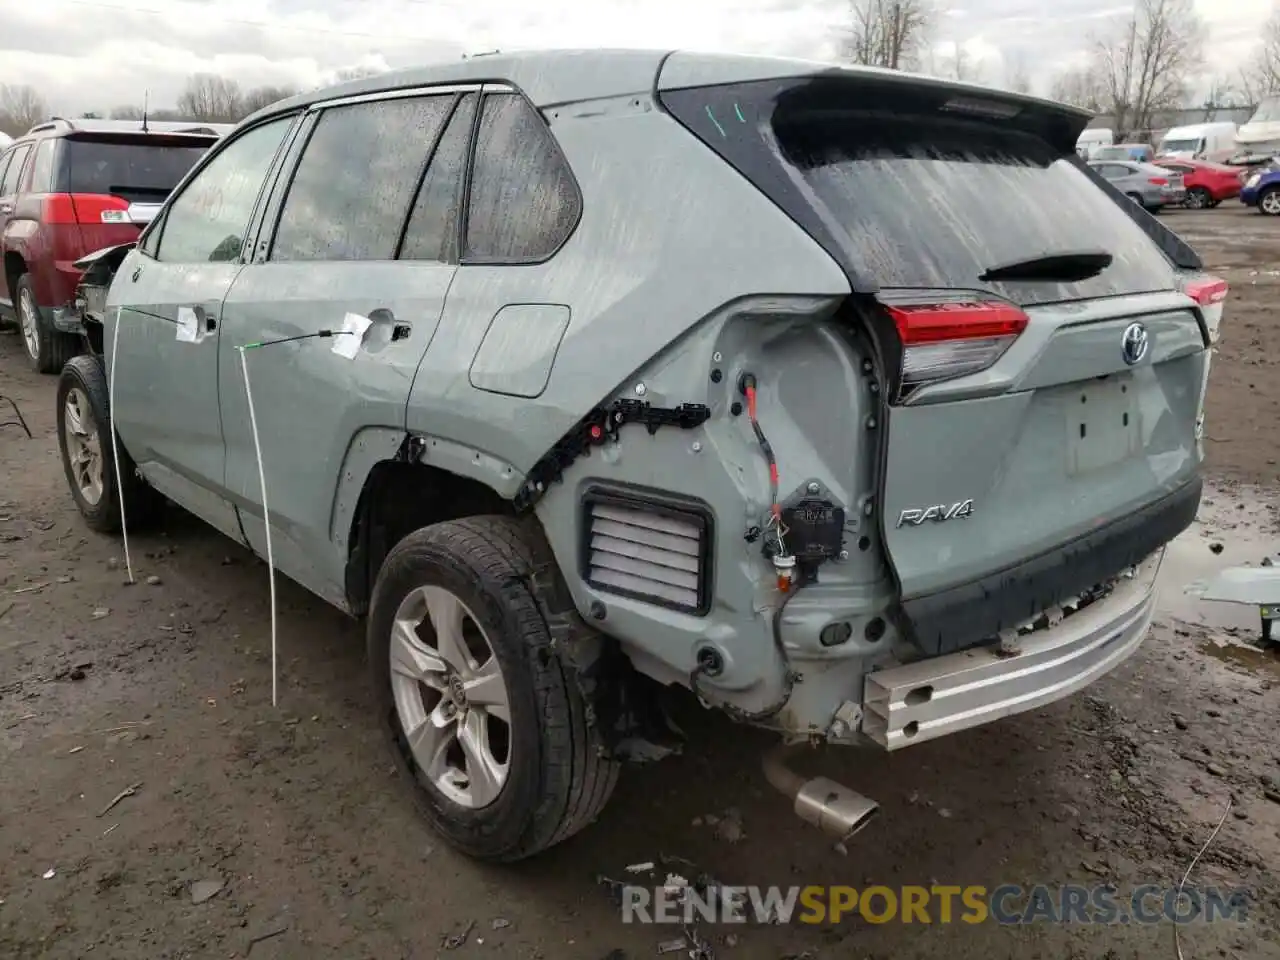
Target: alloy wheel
{"type": "Point", "coordinates": [84, 452]}
{"type": "Point", "coordinates": [450, 697]}
{"type": "Point", "coordinates": [29, 317]}
{"type": "Point", "coordinates": [1271, 202]}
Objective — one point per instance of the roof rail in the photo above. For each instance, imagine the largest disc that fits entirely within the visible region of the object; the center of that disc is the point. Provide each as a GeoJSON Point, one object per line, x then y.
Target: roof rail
{"type": "Point", "coordinates": [52, 124]}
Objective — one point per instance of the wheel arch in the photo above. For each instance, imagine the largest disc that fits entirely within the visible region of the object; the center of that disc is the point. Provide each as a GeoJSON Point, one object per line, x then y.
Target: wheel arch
{"type": "Point", "coordinates": [393, 482]}
{"type": "Point", "coordinates": [15, 265]}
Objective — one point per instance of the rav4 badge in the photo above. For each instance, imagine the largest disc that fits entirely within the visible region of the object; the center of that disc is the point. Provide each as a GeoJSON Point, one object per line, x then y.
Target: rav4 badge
{"type": "Point", "coordinates": [939, 513]}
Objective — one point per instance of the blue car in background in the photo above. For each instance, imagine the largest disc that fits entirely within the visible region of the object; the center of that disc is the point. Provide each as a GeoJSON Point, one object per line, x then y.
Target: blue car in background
{"type": "Point", "coordinates": [1262, 190]}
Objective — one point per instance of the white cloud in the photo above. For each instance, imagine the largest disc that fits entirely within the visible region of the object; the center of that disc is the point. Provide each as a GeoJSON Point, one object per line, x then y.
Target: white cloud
{"type": "Point", "coordinates": [96, 54]}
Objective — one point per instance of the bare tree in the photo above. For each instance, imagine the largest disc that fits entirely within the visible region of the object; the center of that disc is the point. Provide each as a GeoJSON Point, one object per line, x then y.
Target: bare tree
{"type": "Point", "coordinates": [21, 108]}
{"type": "Point", "coordinates": [1081, 87]}
{"type": "Point", "coordinates": [1224, 93]}
{"type": "Point", "coordinates": [1260, 77]}
{"type": "Point", "coordinates": [126, 112]}
{"type": "Point", "coordinates": [1016, 76]}
{"type": "Point", "coordinates": [211, 98]}
{"type": "Point", "coordinates": [959, 65]}
{"type": "Point", "coordinates": [1149, 59]}
{"type": "Point", "coordinates": [886, 33]}
{"type": "Point", "coordinates": [259, 97]}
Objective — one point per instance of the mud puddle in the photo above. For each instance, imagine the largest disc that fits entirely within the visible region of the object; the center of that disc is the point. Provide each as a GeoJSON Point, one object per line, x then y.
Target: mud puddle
{"type": "Point", "coordinates": [1237, 526]}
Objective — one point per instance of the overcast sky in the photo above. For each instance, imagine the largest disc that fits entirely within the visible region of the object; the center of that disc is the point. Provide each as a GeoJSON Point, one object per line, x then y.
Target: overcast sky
{"type": "Point", "coordinates": [91, 55]}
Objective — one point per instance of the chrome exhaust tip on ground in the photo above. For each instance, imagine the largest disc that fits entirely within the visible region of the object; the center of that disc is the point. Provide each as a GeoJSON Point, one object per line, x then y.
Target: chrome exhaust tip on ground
{"type": "Point", "coordinates": [830, 806]}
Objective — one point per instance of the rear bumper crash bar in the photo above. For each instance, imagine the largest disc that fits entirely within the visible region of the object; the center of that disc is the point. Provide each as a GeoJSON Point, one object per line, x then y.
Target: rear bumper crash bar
{"type": "Point", "coordinates": [919, 701]}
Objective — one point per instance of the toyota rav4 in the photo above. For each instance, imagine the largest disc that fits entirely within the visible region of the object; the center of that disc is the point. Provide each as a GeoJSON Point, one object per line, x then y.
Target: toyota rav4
{"type": "Point", "coordinates": [852, 401]}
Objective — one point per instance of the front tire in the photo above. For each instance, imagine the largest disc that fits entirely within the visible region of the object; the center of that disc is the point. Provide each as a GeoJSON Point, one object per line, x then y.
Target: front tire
{"type": "Point", "coordinates": [84, 439]}
{"type": "Point", "coordinates": [48, 350]}
{"type": "Point", "coordinates": [484, 717]}
{"type": "Point", "coordinates": [1269, 202]}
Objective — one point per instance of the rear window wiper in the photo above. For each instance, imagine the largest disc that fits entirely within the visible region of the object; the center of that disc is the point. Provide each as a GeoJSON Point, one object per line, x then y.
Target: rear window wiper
{"type": "Point", "coordinates": [1063, 267]}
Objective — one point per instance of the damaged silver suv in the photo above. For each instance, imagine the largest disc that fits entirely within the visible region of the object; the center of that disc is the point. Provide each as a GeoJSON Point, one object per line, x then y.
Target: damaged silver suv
{"type": "Point", "coordinates": [851, 400]}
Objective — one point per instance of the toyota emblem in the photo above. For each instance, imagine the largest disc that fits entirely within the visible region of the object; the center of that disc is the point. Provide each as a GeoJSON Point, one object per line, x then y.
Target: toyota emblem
{"type": "Point", "coordinates": [1134, 344]}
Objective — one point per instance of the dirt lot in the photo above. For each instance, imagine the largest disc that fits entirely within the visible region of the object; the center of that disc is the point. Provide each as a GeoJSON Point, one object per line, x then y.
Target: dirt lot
{"type": "Point", "coordinates": [165, 686]}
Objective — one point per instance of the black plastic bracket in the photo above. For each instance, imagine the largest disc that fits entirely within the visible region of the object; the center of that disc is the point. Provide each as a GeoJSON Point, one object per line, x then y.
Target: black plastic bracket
{"type": "Point", "coordinates": [597, 428]}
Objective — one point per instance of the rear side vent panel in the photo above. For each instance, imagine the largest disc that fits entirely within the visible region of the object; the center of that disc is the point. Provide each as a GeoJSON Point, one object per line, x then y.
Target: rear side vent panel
{"type": "Point", "coordinates": [648, 547]}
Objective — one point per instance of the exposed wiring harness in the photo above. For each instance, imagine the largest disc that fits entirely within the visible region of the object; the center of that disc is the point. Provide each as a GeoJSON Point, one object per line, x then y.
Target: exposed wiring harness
{"type": "Point", "coordinates": [776, 548]}
{"type": "Point", "coordinates": [778, 545]}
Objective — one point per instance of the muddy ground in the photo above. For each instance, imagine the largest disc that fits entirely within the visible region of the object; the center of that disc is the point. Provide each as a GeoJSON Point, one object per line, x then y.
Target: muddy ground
{"type": "Point", "coordinates": [165, 686]}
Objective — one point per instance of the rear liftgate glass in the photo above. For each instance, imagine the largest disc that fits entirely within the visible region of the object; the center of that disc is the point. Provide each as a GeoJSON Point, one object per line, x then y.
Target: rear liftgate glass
{"type": "Point", "coordinates": [1043, 377]}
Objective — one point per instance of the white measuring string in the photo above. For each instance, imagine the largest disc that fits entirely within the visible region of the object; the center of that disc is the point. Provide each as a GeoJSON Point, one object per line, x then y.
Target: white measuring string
{"type": "Point", "coordinates": [266, 517]}
{"type": "Point", "coordinates": [115, 447]}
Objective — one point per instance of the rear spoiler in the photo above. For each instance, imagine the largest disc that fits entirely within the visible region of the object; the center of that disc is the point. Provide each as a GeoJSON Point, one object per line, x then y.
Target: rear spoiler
{"type": "Point", "coordinates": [120, 251]}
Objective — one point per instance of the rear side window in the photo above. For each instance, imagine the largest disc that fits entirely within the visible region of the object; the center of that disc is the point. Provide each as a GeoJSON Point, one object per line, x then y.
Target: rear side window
{"type": "Point", "coordinates": [135, 169]}
{"type": "Point", "coordinates": [351, 193]}
{"type": "Point", "coordinates": [923, 199]}
{"type": "Point", "coordinates": [524, 201]}
{"type": "Point", "coordinates": [10, 183]}
{"type": "Point", "coordinates": [42, 167]}
{"type": "Point", "coordinates": [432, 233]}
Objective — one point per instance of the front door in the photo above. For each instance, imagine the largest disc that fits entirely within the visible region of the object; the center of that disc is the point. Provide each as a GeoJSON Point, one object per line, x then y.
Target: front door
{"type": "Point", "coordinates": [365, 229]}
{"type": "Point", "coordinates": [169, 293]}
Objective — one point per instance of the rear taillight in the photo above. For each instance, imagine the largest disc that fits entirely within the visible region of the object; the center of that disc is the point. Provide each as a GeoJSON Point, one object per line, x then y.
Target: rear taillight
{"type": "Point", "coordinates": [1207, 291]}
{"type": "Point", "coordinates": [1158, 181]}
{"type": "Point", "coordinates": [1211, 294]}
{"type": "Point", "coordinates": [941, 341]}
{"type": "Point", "coordinates": [85, 208]}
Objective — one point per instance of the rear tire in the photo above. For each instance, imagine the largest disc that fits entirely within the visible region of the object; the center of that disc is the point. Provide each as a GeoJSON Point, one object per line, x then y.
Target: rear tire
{"type": "Point", "coordinates": [556, 776]}
{"type": "Point", "coordinates": [84, 439]}
{"type": "Point", "coordinates": [48, 350]}
{"type": "Point", "coordinates": [1198, 198]}
{"type": "Point", "coordinates": [1269, 201]}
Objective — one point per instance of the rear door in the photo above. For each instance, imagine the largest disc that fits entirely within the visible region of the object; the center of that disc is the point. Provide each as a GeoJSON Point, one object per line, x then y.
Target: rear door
{"type": "Point", "coordinates": [365, 227]}
{"type": "Point", "coordinates": [6, 207]}
{"type": "Point", "coordinates": [1041, 366]}
{"type": "Point", "coordinates": [13, 164]}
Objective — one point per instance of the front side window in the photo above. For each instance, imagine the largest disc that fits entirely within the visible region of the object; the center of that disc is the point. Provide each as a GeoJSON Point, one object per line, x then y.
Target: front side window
{"type": "Point", "coordinates": [208, 220]}
{"type": "Point", "coordinates": [524, 201]}
{"type": "Point", "coordinates": [10, 184]}
{"type": "Point", "coordinates": [351, 193]}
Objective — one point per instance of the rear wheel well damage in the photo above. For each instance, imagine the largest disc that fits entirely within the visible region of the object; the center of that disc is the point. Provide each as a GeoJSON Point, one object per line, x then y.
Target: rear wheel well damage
{"type": "Point", "coordinates": [400, 496]}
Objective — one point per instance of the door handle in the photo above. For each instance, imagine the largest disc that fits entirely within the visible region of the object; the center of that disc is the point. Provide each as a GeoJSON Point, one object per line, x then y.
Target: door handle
{"type": "Point", "coordinates": [205, 319]}
{"type": "Point", "coordinates": [399, 331]}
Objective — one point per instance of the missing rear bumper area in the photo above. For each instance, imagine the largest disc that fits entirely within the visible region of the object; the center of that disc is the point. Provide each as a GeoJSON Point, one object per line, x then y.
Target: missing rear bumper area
{"type": "Point", "coordinates": [969, 614]}
{"type": "Point", "coordinates": [931, 698]}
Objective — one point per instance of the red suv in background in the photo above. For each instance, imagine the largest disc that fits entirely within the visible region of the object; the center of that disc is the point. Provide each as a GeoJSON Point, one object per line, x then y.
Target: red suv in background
{"type": "Point", "coordinates": [67, 189]}
{"type": "Point", "coordinates": [1208, 184]}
